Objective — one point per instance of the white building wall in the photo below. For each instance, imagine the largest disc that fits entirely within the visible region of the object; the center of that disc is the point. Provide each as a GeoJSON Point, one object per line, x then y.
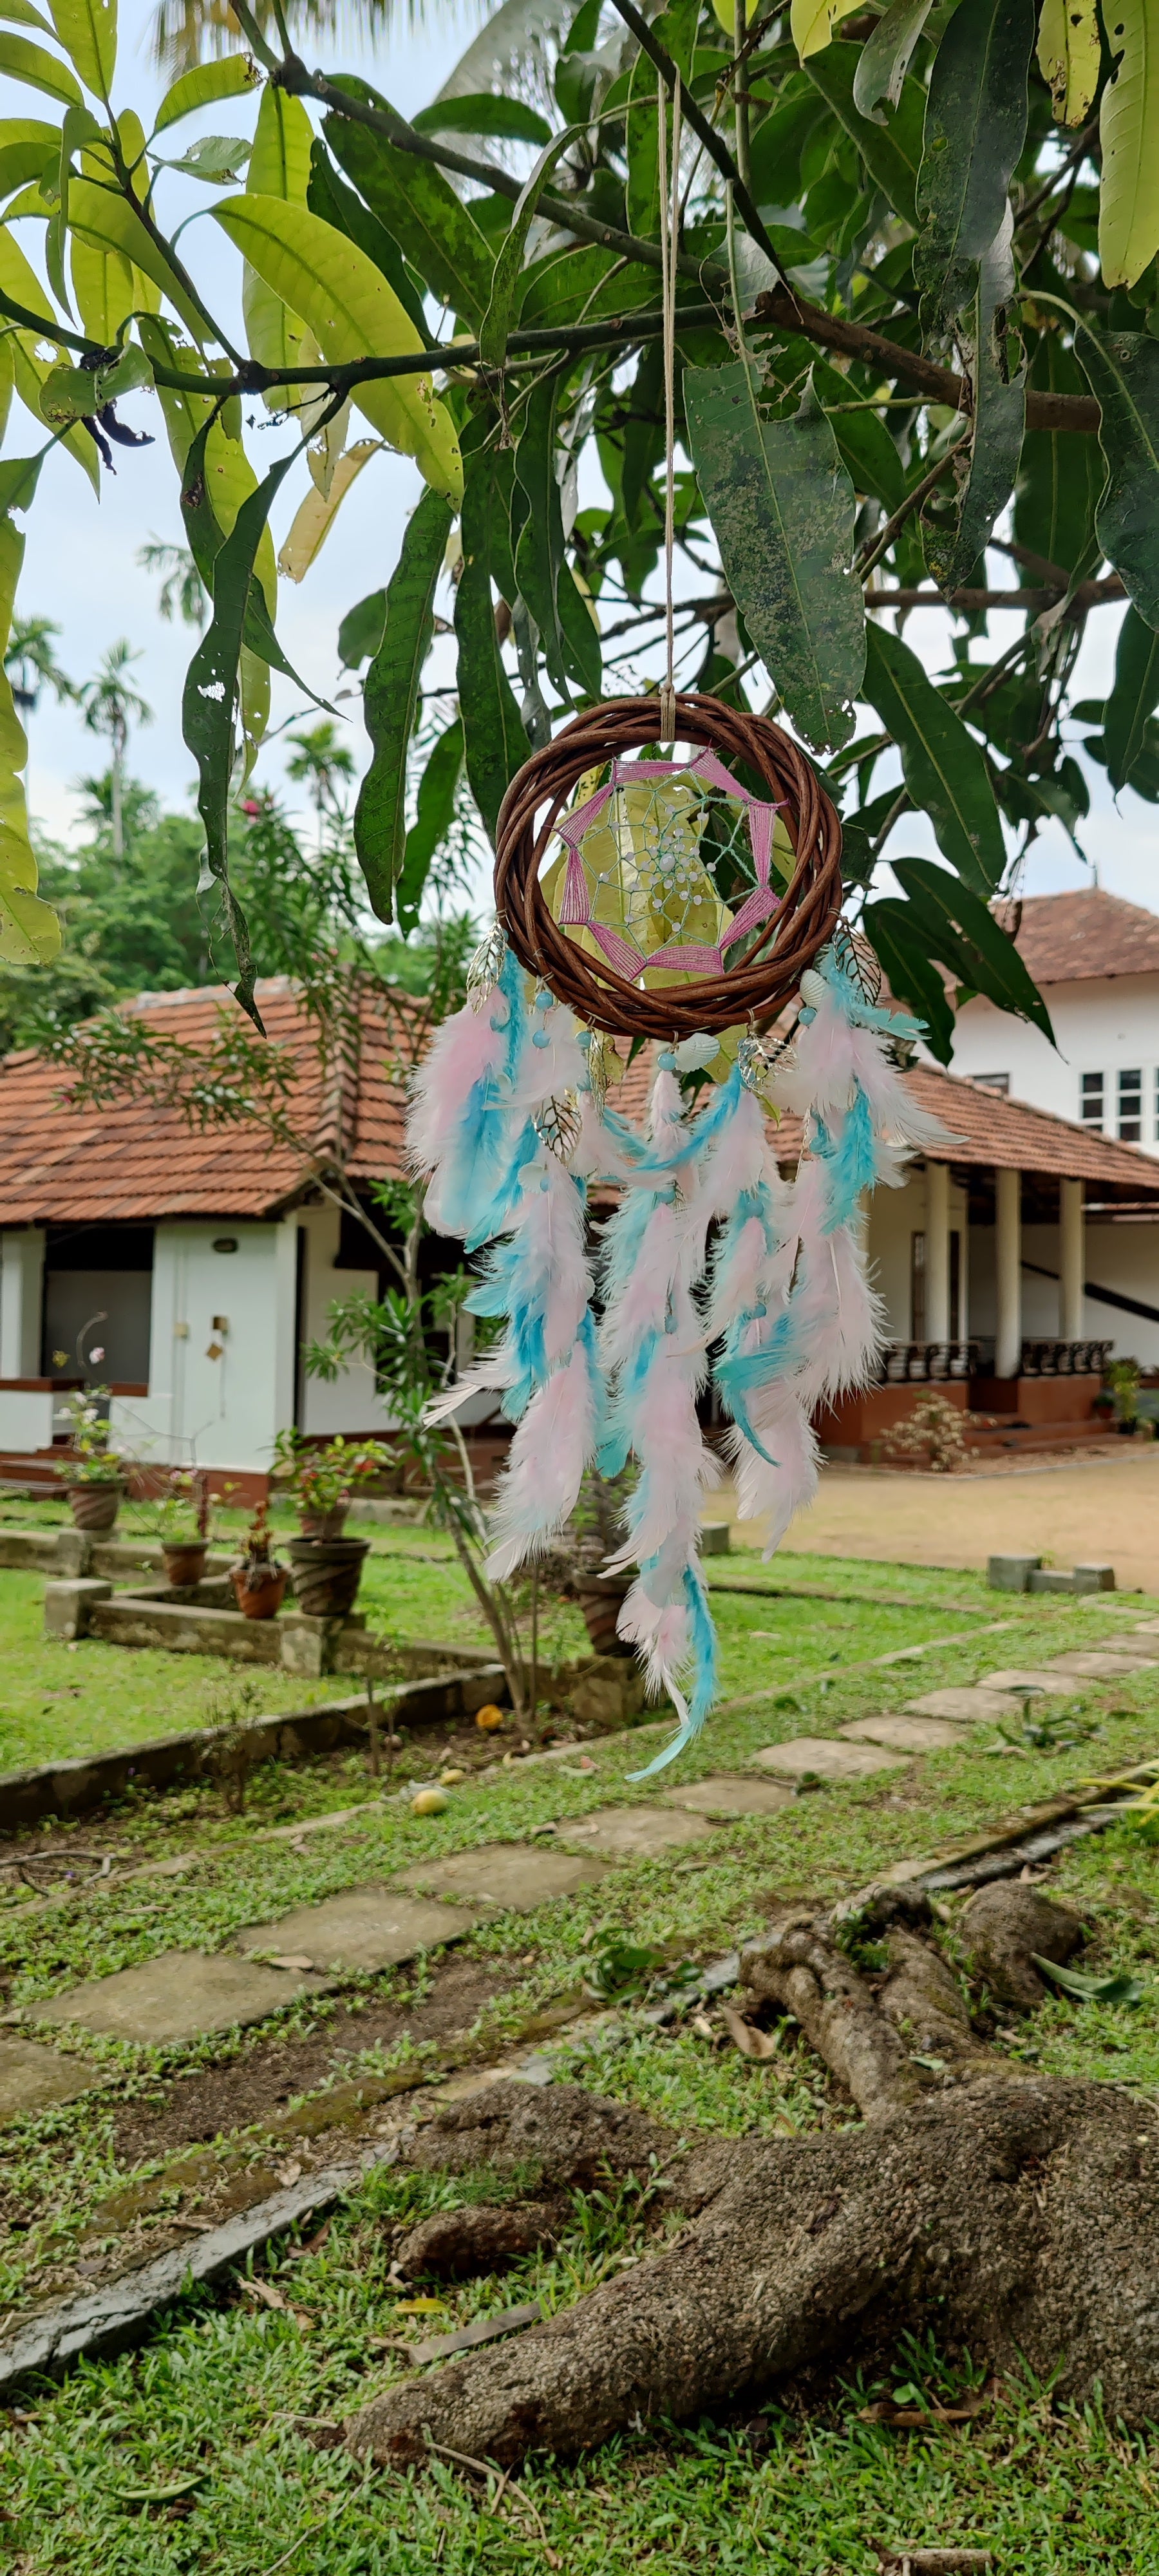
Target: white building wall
{"type": "Point", "coordinates": [351, 1403]}
{"type": "Point", "coordinates": [895, 1216]}
{"type": "Point", "coordinates": [21, 1297]}
{"type": "Point", "coordinates": [220, 1411]}
{"type": "Point", "coordinates": [1107, 1025]}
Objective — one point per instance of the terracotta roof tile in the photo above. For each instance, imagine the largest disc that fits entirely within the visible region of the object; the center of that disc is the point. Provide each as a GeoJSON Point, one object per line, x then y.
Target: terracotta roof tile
{"type": "Point", "coordinates": [1067, 937]}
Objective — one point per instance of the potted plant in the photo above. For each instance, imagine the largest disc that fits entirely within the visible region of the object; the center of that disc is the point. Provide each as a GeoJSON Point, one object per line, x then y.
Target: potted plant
{"type": "Point", "coordinates": [1123, 1381]}
{"type": "Point", "coordinates": [259, 1582]}
{"type": "Point", "coordinates": [183, 1518]}
{"type": "Point", "coordinates": [92, 1473]}
{"type": "Point", "coordinates": [322, 1482]}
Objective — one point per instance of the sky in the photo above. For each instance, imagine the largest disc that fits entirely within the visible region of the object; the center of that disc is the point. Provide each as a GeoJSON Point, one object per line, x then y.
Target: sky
{"type": "Point", "coordinates": [81, 570]}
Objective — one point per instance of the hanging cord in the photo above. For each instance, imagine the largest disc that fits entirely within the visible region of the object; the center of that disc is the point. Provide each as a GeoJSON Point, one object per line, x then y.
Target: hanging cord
{"type": "Point", "coordinates": [669, 237]}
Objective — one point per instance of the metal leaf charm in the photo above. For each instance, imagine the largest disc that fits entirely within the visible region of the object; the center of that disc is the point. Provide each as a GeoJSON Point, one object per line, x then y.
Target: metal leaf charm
{"type": "Point", "coordinates": [856, 959]}
{"type": "Point", "coordinates": [557, 1125]}
{"type": "Point", "coordinates": [486, 966]}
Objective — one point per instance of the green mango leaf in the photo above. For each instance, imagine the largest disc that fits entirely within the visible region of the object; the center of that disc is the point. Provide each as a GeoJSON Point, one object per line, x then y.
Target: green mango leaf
{"type": "Point", "coordinates": [988, 466]}
{"type": "Point", "coordinates": [19, 476]}
{"type": "Point", "coordinates": [642, 202]}
{"type": "Point", "coordinates": [905, 960]}
{"type": "Point", "coordinates": [961, 932]}
{"type": "Point", "coordinates": [211, 690]}
{"type": "Point", "coordinates": [88, 31]}
{"type": "Point", "coordinates": [1128, 128]}
{"type": "Point", "coordinates": [1060, 476]}
{"type": "Point", "coordinates": [329, 196]}
{"type": "Point", "coordinates": [24, 152]}
{"type": "Point", "coordinates": [974, 132]}
{"type": "Point", "coordinates": [391, 700]}
{"type": "Point", "coordinates": [20, 13]}
{"type": "Point", "coordinates": [68, 393]}
{"type": "Point", "coordinates": [1122, 370]}
{"type": "Point", "coordinates": [22, 61]}
{"type": "Point", "coordinates": [1118, 1988]}
{"type": "Point", "coordinates": [643, 431]}
{"type": "Point", "coordinates": [360, 632]}
{"type": "Point", "coordinates": [782, 510]}
{"type": "Point", "coordinates": [205, 86]}
{"type": "Point", "coordinates": [496, 322]}
{"type": "Point", "coordinates": [495, 744]}
{"type": "Point", "coordinates": [214, 158]}
{"type": "Point", "coordinates": [353, 313]}
{"type": "Point", "coordinates": [863, 441]}
{"type": "Point", "coordinates": [942, 765]}
{"type": "Point", "coordinates": [101, 216]}
{"type": "Point", "coordinates": [510, 119]}
{"type": "Point", "coordinates": [571, 646]}
{"type": "Point", "coordinates": [418, 206]}
{"type": "Point", "coordinates": [435, 814]}
{"type": "Point", "coordinates": [892, 154]}
{"type": "Point", "coordinates": [885, 57]}
{"type": "Point", "coordinates": [1133, 699]}
{"type": "Point", "coordinates": [29, 929]}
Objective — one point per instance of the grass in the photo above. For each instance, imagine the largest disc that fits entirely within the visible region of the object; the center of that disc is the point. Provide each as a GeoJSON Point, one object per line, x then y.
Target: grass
{"type": "Point", "coordinates": [213, 2397]}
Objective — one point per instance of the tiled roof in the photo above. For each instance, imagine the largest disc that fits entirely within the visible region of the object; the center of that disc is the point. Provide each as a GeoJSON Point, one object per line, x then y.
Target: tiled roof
{"type": "Point", "coordinates": [134, 1162]}
{"type": "Point", "coordinates": [1065, 937]}
{"type": "Point", "coordinates": [981, 1130]}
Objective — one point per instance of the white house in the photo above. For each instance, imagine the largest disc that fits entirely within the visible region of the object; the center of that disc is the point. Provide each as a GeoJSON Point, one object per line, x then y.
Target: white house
{"type": "Point", "coordinates": [1096, 962]}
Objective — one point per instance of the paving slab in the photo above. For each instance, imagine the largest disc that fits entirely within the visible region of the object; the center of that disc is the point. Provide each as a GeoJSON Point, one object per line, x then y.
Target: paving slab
{"type": "Point", "coordinates": [32, 2077]}
{"type": "Point", "coordinates": [730, 1794]}
{"type": "Point", "coordinates": [1034, 1678]}
{"type": "Point", "coordinates": [906, 1734]}
{"type": "Point", "coordinates": [827, 1758]}
{"type": "Point", "coordinates": [1097, 1667]}
{"type": "Point", "coordinates": [965, 1707]}
{"type": "Point", "coordinates": [180, 1995]}
{"type": "Point", "coordinates": [519, 1876]}
{"type": "Point", "coordinates": [1146, 1628]}
{"type": "Point", "coordinates": [366, 1927]}
{"type": "Point", "coordinates": [633, 1833]}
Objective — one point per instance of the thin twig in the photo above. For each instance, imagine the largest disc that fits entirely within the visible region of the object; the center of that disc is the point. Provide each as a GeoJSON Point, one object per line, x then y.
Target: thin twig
{"type": "Point", "coordinates": [913, 501]}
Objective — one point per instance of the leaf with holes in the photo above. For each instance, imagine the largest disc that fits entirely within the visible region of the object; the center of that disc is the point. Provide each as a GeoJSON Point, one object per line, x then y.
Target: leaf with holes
{"type": "Point", "coordinates": [1068, 56]}
{"type": "Point", "coordinates": [1122, 369]}
{"type": "Point", "coordinates": [974, 132]}
{"type": "Point", "coordinates": [782, 510]}
{"type": "Point", "coordinates": [943, 768]}
{"type": "Point", "coordinates": [391, 697]}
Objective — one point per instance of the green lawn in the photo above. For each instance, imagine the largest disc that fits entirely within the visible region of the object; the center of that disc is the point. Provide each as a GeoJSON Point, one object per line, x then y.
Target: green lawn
{"type": "Point", "coordinates": [213, 2396]}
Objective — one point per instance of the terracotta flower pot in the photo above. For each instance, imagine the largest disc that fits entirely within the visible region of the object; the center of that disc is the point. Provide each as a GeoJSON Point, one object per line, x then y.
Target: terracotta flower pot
{"type": "Point", "coordinates": [600, 1597]}
{"type": "Point", "coordinates": [327, 1573]}
{"type": "Point", "coordinates": [324, 1524]}
{"type": "Point", "coordinates": [184, 1559]}
{"type": "Point", "coordinates": [259, 1594]}
{"type": "Point", "coordinates": [95, 1507]}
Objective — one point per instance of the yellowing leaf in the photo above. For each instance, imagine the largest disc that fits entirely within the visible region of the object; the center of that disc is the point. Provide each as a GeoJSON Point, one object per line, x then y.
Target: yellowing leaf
{"type": "Point", "coordinates": [279, 166]}
{"type": "Point", "coordinates": [22, 61]}
{"type": "Point", "coordinates": [88, 31]}
{"type": "Point", "coordinates": [1068, 56]}
{"type": "Point", "coordinates": [1129, 133]}
{"type": "Point", "coordinates": [103, 284]}
{"type": "Point", "coordinates": [229, 476]}
{"type": "Point", "coordinates": [316, 514]}
{"type": "Point", "coordinates": [29, 929]}
{"type": "Point", "coordinates": [109, 221]}
{"type": "Point", "coordinates": [205, 85]}
{"type": "Point", "coordinates": [353, 313]}
{"type": "Point", "coordinates": [21, 282]}
{"type": "Point", "coordinates": [812, 22]}
{"type": "Point", "coordinates": [725, 12]}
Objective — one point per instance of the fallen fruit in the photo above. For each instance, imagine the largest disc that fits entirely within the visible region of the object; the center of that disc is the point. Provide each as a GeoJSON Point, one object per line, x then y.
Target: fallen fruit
{"type": "Point", "coordinates": [429, 1802]}
{"type": "Point", "coordinates": [489, 1717]}
{"type": "Point", "coordinates": [448, 1778]}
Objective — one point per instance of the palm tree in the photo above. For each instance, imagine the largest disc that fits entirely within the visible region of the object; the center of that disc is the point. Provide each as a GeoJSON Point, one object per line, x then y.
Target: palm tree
{"type": "Point", "coordinates": [325, 763]}
{"type": "Point", "coordinates": [181, 593]}
{"type": "Point", "coordinates": [31, 663]}
{"type": "Point", "coordinates": [111, 705]}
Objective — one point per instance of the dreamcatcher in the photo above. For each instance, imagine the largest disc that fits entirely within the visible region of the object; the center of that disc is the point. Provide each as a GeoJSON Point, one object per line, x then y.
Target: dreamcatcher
{"type": "Point", "coordinates": [687, 902]}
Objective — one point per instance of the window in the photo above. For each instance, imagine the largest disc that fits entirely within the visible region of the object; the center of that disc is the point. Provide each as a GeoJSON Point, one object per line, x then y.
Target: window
{"type": "Point", "coordinates": [999, 1082]}
{"type": "Point", "coordinates": [1091, 1099]}
{"type": "Point", "coordinates": [1131, 1107]}
{"type": "Point", "coordinates": [917, 1274]}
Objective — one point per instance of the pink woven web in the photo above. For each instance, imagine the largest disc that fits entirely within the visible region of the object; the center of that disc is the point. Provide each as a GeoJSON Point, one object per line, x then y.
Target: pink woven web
{"type": "Point", "coordinates": [693, 957]}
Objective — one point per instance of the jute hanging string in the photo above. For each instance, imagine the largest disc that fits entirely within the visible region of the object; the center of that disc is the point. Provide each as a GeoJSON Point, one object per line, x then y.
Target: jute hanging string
{"type": "Point", "coordinates": [687, 900]}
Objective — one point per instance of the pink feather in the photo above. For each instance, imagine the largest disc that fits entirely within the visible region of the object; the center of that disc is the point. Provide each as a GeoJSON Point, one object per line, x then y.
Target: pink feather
{"type": "Point", "coordinates": [540, 1484]}
{"type": "Point", "coordinates": [465, 1050]}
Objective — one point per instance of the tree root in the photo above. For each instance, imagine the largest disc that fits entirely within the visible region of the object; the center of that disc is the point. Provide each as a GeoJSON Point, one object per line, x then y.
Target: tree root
{"type": "Point", "coordinates": [1013, 2213]}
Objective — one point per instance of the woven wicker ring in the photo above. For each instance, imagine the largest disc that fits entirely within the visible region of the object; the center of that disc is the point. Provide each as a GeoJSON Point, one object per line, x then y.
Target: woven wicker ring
{"type": "Point", "coordinates": [769, 975]}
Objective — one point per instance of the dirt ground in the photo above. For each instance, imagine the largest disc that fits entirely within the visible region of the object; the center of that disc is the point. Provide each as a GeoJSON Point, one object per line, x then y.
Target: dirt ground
{"type": "Point", "coordinates": [1103, 1510]}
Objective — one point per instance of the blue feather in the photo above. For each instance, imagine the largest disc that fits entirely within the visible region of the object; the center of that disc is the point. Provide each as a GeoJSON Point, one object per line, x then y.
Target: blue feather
{"type": "Point", "coordinates": [704, 1681]}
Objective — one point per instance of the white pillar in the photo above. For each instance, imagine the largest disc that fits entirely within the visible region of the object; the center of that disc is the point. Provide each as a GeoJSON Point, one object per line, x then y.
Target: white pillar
{"type": "Point", "coordinates": [1008, 1272]}
{"type": "Point", "coordinates": [1071, 1260]}
{"type": "Point", "coordinates": [21, 1294]}
{"type": "Point", "coordinates": [937, 1252]}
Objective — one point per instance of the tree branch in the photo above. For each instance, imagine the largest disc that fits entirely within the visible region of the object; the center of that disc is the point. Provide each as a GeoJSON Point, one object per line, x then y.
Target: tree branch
{"type": "Point", "coordinates": [713, 143]}
{"type": "Point", "coordinates": [1087, 594]}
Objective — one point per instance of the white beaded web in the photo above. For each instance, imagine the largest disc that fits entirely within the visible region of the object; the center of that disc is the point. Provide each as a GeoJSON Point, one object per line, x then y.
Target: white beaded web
{"type": "Point", "coordinates": [635, 884]}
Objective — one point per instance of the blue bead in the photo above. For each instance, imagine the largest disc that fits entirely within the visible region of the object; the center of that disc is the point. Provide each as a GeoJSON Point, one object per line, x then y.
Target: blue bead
{"type": "Point", "coordinates": [540, 1038]}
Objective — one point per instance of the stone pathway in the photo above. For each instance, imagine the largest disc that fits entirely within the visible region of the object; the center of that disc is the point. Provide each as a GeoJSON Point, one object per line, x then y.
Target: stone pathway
{"type": "Point", "coordinates": [728, 1795]}
{"type": "Point", "coordinates": [968, 1706]}
{"type": "Point", "coordinates": [825, 1757]}
{"type": "Point", "coordinates": [633, 1833]}
{"type": "Point", "coordinates": [518, 1875]}
{"type": "Point", "coordinates": [905, 1734]}
{"type": "Point", "coordinates": [182, 1995]}
{"type": "Point", "coordinates": [1102, 1668]}
{"type": "Point", "coordinates": [32, 2078]}
{"type": "Point", "coordinates": [369, 1928]}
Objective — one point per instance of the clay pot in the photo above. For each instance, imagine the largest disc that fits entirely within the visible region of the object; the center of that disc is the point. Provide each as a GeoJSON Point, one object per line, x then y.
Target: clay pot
{"type": "Point", "coordinates": [260, 1596]}
{"type": "Point", "coordinates": [600, 1597]}
{"type": "Point", "coordinates": [327, 1573]}
{"type": "Point", "coordinates": [95, 1507]}
{"type": "Point", "coordinates": [184, 1560]}
{"type": "Point", "coordinates": [325, 1524]}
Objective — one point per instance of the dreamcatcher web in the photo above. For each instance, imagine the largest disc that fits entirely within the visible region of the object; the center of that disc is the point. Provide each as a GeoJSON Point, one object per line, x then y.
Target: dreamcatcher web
{"type": "Point", "coordinates": [645, 856]}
